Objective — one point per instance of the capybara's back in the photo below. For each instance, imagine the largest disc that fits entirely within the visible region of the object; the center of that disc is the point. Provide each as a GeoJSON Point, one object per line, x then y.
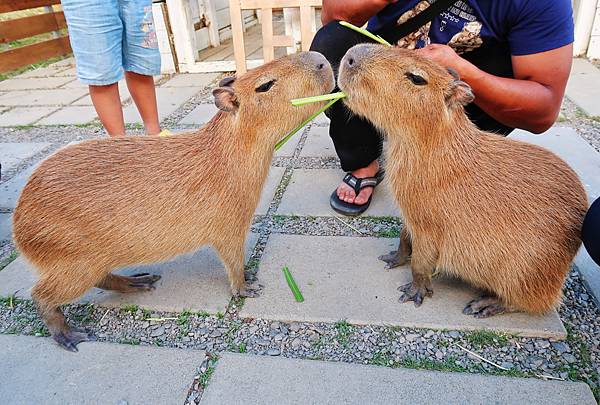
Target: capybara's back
{"type": "Point", "coordinates": [502, 214]}
{"type": "Point", "coordinates": [105, 204]}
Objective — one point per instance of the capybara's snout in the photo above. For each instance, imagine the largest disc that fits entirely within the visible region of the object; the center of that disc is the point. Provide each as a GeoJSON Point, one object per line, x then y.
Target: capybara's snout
{"type": "Point", "coordinates": [320, 67]}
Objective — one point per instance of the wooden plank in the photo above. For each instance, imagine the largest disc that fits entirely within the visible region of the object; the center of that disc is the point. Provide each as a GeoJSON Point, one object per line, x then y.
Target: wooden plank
{"type": "Point", "coordinates": [283, 40]}
{"type": "Point", "coordinates": [16, 5]}
{"type": "Point", "coordinates": [221, 66]}
{"type": "Point", "coordinates": [213, 26]}
{"type": "Point", "coordinates": [26, 55]}
{"type": "Point", "coordinates": [306, 33]}
{"type": "Point", "coordinates": [25, 27]}
{"type": "Point", "coordinates": [267, 34]}
{"type": "Point", "coordinates": [256, 4]}
{"type": "Point", "coordinates": [237, 30]}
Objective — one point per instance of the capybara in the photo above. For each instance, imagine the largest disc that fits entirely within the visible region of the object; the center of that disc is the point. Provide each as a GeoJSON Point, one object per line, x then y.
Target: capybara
{"type": "Point", "coordinates": [501, 214]}
{"type": "Point", "coordinates": [105, 204]}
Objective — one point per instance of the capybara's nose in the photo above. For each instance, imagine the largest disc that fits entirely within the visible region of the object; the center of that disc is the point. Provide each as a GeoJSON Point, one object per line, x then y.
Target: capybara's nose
{"type": "Point", "coordinates": [355, 55]}
{"type": "Point", "coordinates": [314, 59]}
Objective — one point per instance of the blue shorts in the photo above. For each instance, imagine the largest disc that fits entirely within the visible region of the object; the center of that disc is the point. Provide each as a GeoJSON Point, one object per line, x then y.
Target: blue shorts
{"type": "Point", "coordinates": [109, 37]}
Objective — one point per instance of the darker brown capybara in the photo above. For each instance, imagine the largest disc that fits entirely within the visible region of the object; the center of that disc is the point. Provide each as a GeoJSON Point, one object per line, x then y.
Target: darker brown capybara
{"type": "Point", "coordinates": [501, 214]}
{"type": "Point", "coordinates": [104, 204]}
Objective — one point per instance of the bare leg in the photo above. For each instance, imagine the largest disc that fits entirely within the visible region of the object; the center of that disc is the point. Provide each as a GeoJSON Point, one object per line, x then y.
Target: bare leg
{"type": "Point", "coordinates": [108, 106]}
{"type": "Point", "coordinates": [401, 256]}
{"type": "Point", "coordinates": [422, 264]}
{"type": "Point", "coordinates": [233, 258]}
{"type": "Point", "coordinates": [135, 283]}
{"type": "Point", "coordinates": [484, 307]}
{"type": "Point", "coordinates": [143, 93]}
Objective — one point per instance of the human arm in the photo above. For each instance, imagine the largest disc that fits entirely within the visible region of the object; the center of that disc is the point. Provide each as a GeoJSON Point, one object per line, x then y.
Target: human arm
{"type": "Point", "coordinates": [531, 100]}
{"type": "Point", "coordinates": [356, 12]}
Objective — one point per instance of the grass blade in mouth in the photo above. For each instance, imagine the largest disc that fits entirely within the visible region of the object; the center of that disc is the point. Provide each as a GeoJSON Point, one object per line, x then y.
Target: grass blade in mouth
{"type": "Point", "coordinates": [314, 99]}
{"type": "Point", "coordinates": [366, 33]}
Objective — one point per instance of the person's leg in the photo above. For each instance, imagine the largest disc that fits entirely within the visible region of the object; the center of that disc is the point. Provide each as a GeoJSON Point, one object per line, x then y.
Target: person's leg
{"type": "Point", "coordinates": [95, 32]}
{"type": "Point", "coordinates": [107, 103]}
{"type": "Point", "coordinates": [142, 91]}
{"type": "Point", "coordinates": [141, 59]}
{"type": "Point", "coordinates": [356, 141]}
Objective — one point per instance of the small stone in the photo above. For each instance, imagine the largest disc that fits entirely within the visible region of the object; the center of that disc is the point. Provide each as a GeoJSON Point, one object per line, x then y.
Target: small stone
{"type": "Point", "coordinates": [543, 344]}
{"type": "Point", "coordinates": [144, 324]}
{"type": "Point", "coordinates": [216, 333]}
{"type": "Point", "coordinates": [203, 331]}
{"type": "Point", "coordinates": [158, 331]}
{"type": "Point", "coordinates": [314, 338]}
{"type": "Point", "coordinates": [429, 334]}
{"type": "Point", "coordinates": [562, 347]}
{"type": "Point", "coordinates": [454, 334]}
{"type": "Point", "coordinates": [273, 352]}
{"type": "Point", "coordinates": [262, 342]}
{"type": "Point", "coordinates": [569, 358]}
{"type": "Point", "coordinates": [584, 297]}
{"type": "Point", "coordinates": [536, 361]}
{"type": "Point", "coordinates": [279, 337]}
{"type": "Point", "coordinates": [411, 337]}
{"type": "Point", "coordinates": [296, 343]}
{"type": "Point", "coordinates": [439, 355]}
{"type": "Point", "coordinates": [508, 365]}
{"type": "Point", "coordinates": [253, 329]}
{"type": "Point", "coordinates": [275, 325]}
{"type": "Point", "coordinates": [295, 327]}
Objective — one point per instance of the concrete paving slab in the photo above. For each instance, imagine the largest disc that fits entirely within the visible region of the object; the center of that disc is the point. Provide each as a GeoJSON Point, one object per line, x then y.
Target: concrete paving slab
{"type": "Point", "coordinates": [200, 115]}
{"type": "Point", "coordinates": [41, 97]}
{"type": "Point", "coordinates": [49, 70]}
{"type": "Point", "coordinates": [12, 154]}
{"type": "Point", "coordinates": [341, 278]}
{"type": "Point", "coordinates": [68, 62]}
{"type": "Point", "coordinates": [584, 159]}
{"type": "Point", "coordinates": [75, 84]}
{"type": "Point", "coordinates": [268, 192]}
{"type": "Point", "coordinates": [288, 149]}
{"type": "Point", "coordinates": [168, 99]}
{"type": "Point", "coordinates": [35, 370]}
{"type": "Point", "coordinates": [583, 88]}
{"type": "Point", "coordinates": [24, 115]}
{"type": "Point", "coordinates": [33, 83]}
{"type": "Point", "coordinates": [309, 190]}
{"type": "Point", "coordinates": [72, 72]}
{"type": "Point", "coordinates": [573, 149]}
{"type": "Point", "coordinates": [268, 380]}
{"type": "Point", "coordinates": [5, 226]}
{"type": "Point", "coordinates": [10, 190]}
{"type": "Point", "coordinates": [70, 115]}
{"type": "Point", "coordinates": [318, 143]}
{"type": "Point", "coordinates": [87, 100]}
{"type": "Point", "coordinates": [196, 281]}
{"type": "Point", "coordinates": [321, 119]}
{"type": "Point", "coordinates": [191, 80]}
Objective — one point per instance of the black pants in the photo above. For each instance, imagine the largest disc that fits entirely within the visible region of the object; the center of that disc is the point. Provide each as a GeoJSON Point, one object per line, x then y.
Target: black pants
{"type": "Point", "coordinates": [356, 141]}
{"type": "Point", "coordinates": [591, 231]}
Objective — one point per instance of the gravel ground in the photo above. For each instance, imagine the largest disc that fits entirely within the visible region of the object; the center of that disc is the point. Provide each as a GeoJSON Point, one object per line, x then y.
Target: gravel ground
{"type": "Point", "coordinates": [578, 358]}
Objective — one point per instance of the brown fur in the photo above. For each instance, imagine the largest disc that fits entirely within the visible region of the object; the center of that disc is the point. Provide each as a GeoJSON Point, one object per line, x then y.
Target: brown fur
{"type": "Point", "coordinates": [109, 203]}
{"type": "Point", "coordinates": [503, 215]}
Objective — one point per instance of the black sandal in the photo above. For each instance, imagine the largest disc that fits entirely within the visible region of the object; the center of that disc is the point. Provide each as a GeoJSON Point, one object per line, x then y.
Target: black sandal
{"type": "Point", "coordinates": [357, 184]}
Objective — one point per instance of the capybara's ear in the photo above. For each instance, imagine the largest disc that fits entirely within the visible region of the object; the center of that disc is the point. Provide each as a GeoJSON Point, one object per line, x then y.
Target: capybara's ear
{"type": "Point", "coordinates": [225, 99]}
{"type": "Point", "coordinates": [227, 81]}
{"type": "Point", "coordinates": [459, 93]}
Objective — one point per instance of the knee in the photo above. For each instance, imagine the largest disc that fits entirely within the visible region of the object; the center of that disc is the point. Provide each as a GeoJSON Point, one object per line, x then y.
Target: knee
{"type": "Point", "coordinates": [333, 40]}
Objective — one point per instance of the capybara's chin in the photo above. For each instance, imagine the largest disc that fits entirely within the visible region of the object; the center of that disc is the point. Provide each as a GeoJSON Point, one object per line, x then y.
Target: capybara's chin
{"type": "Point", "coordinates": [501, 214]}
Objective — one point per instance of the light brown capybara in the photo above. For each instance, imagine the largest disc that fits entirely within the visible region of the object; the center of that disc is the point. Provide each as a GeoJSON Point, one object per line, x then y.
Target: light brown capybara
{"type": "Point", "coordinates": [105, 204]}
{"type": "Point", "coordinates": [501, 214]}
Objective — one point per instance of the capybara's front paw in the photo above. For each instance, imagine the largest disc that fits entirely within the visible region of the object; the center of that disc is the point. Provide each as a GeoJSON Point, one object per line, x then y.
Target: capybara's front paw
{"type": "Point", "coordinates": [411, 292]}
{"type": "Point", "coordinates": [394, 259]}
{"type": "Point", "coordinates": [484, 307]}
{"type": "Point", "coordinates": [250, 290]}
{"type": "Point", "coordinates": [69, 339]}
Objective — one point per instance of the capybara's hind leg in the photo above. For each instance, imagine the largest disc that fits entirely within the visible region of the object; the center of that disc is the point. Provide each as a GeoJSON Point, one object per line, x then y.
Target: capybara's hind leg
{"type": "Point", "coordinates": [62, 333]}
{"type": "Point", "coordinates": [484, 307]}
{"type": "Point", "coordinates": [422, 265]}
{"type": "Point", "coordinates": [233, 258]}
{"type": "Point", "coordinates": [127, 284]}
{"type": "Point", "coordinates": [401, 256]}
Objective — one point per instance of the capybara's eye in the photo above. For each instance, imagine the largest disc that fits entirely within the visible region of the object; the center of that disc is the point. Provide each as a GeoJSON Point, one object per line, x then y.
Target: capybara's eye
{"type": "Point", "coordinates": [416, 79]}
{"type": "Point", "coordinates": [265, 86]}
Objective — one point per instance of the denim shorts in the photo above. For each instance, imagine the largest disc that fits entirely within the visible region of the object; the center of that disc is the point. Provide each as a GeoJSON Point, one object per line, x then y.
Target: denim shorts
{"type": "Point", "coordinates": [109, 37]}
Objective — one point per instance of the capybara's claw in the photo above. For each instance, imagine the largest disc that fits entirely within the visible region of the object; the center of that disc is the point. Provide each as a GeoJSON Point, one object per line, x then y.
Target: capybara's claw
{"type": "Point", "coordinates": [144, 281]}
{"type": "Point", "coordinates": [250, 290]}
{"type": "Point", "coordinates": [414, 293]}
{"type": "Point", "coordinates": [393, 260]}
{"type": "Point", "coordinates": [70, 339]}
{"type": "Point", "coordinates": [484, 307]}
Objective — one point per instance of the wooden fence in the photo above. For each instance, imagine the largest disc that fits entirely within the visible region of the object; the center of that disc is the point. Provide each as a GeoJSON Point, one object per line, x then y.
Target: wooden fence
{"type": "Point", "coordinates": [25, 27]}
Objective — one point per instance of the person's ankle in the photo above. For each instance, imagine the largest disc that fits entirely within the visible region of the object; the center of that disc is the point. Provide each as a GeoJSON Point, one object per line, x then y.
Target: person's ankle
{"type": "Point", "coordinates": [368, 171]}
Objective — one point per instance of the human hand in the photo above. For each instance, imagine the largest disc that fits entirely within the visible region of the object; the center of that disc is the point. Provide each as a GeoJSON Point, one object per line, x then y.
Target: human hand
{"type": "Point", "coordinates": [444, 55]}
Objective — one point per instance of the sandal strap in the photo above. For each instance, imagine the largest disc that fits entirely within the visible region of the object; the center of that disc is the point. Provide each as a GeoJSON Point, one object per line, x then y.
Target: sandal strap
{"type": "Point", "coordinates": [358, 184]}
